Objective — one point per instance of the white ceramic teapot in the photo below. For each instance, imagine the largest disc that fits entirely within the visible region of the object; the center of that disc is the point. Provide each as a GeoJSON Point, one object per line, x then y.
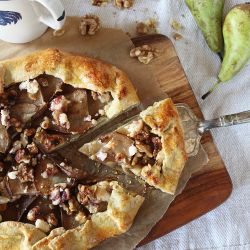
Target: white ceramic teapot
{"type": "Point", "coordinates": [22, 21]}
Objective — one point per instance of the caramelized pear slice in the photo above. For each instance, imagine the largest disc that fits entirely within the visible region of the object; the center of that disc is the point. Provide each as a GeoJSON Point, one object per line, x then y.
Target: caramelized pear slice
{"type": "Point", "coordinates": [15, 210]}
{"type": "Point", "coordinates": [45, 181]}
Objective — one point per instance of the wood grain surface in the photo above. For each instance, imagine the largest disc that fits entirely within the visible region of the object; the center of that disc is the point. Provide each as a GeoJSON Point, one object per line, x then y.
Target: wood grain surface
{"type": "Point", "coordinates": [212, 185]}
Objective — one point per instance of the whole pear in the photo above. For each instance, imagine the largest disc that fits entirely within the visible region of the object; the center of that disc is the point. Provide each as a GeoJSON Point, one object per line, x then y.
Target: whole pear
{"type": "Point", "coordinates": [208, 15]}
{"type": "Point", "coordinates": [236, 32]}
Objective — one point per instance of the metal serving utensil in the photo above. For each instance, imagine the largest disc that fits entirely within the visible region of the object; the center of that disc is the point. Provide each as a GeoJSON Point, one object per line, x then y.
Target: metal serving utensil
{"type": "Point", "coordinates": [195, 128]}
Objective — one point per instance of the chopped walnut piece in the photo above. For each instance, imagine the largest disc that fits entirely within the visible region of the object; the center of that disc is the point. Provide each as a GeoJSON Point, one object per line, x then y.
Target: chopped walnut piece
{"type": "Point", "coordinates": [147, 27]}
{"type": "Point", "coordinates": [124, 3]}
{"type": "Point", "coordinates": [144, 148]}
{"type": "Point", "coordinates": [99, 2]}
{"type": "Point", "coordinates": [14, 122]}
{"type": "Point", "coordinates": [94, 197]}
{"type": "Point", "coordinates": [25, 174]}
{"type": "Point", "coordinates": [51, 219]}
{"type": "Point", "coordinates": [145, 53]}
{"type": "Point", "coordinates": [157, 145]}
{"type": "Point", "coordinates": [32, 148]}
{"type": "Point", "coordinates": [21, 156]}
{"type": "Point", "coordinates": [51, 169]}
{"type": "Point", "coordinates": [59, 32]}
{"type": "Point", "coordinates": [29, 132]}
{"type": "Point", "coordinates": [33, 214]}
{"type": "Point", "coordinates": [45, 123]}
{"type": "Point", "coordinates": [89, 25]}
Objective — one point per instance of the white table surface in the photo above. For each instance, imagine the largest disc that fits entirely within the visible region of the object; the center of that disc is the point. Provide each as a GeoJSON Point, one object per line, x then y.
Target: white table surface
{"type": "Point", "coordinates": [228, 226]}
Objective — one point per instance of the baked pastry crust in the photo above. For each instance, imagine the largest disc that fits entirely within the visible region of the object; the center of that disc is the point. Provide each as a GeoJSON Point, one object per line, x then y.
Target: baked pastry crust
{"type": "Point", "coordinates": [17, 235]}
{"type": "Point", "coordinates": [98, 76]}
{"type": "Point", "coordinates": [78, 71]}
{"type": "Point", "coordinates": [121, 210]}
{"type": "Point", "coordinates": [164, 121]}
{"type": "Point", "coordinates": [117, 219]}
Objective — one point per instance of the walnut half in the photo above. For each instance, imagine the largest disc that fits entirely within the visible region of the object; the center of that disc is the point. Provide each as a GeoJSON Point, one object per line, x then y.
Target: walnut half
{"type": "Point", "coordinates": [124, 3]}
{"type": "Point", "coordinates": [89, 25]}
{"type": "Point", "coordinates": [145, 53]}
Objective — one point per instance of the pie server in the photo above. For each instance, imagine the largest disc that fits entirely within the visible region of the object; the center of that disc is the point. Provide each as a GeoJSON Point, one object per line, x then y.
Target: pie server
{"type": "Point", "coordinates": [192, 126]}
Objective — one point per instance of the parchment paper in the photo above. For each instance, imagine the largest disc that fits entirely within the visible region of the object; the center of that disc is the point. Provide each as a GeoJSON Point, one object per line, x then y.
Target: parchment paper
{"type": "Point", "coordinates": [113, 46]}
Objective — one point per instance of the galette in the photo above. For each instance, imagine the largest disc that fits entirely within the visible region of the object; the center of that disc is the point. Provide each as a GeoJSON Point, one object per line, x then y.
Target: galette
{"type": "Point", "coordinates": [48, 97]}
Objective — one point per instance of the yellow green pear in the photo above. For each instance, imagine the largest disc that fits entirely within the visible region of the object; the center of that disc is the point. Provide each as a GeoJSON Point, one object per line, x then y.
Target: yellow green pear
{"type": "Point", "coordinates": [236, 32]}
{"type": "Point", "coordinates": [208, 15]}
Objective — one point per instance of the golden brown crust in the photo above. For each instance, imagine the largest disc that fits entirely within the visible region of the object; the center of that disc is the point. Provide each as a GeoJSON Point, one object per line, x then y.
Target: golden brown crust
{"type": "Point", "coordinates": [164, 121]}
{"type": "Point", "coordinates": [18, 236]}
{"type": "Point", "coordinates": [78, 71]}
{"type": "Point", "coordinates": [118, 218]}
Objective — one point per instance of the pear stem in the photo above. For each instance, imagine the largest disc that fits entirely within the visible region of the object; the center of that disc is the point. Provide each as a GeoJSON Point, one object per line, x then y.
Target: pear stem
{"type": "Point", "coordinates": [211, 90]}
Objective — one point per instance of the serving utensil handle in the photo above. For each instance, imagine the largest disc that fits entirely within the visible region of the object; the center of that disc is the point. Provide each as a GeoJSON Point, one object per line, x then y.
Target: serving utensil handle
{"type": "Point", "coordinates": [224, 121]}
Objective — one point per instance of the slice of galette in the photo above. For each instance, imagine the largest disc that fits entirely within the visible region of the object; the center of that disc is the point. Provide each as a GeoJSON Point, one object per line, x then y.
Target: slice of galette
{"type": "Point", "coordinates": [152, 147]}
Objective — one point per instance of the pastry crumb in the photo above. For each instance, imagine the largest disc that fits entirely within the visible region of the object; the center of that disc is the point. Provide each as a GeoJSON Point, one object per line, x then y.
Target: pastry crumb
{"type": "Point", "coordinates": [147, 27]}
{"type": "Point", "coordinates": [177, 36]}
{"type": "Point", "coordinates": [176, 26]}
{"type": "Point", "coordinates": [58, 33]}
{"type": "Point", "coordinates": [99, 2]}
{"type": "Point", "coordinates": [89, 25]}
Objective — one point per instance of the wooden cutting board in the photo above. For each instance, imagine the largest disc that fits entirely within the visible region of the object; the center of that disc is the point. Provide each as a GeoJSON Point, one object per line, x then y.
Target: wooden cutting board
{"type": "Point", "coordinates": [212, 185]}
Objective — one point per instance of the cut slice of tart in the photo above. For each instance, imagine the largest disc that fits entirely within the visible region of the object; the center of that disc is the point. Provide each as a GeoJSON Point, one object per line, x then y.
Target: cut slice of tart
{"type": "Point", "coordinates": [152, 147]}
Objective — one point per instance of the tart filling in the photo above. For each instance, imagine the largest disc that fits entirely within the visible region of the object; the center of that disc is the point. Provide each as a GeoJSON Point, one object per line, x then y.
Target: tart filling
{"type": "Point", "coordinates": [45, 97]}
{"type": "Point", "coordinates": [151, 147]}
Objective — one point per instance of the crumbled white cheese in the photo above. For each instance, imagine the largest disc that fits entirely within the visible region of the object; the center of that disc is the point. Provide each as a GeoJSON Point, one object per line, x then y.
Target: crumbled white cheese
{"type": "Point", "coordinates": [42, 225]}
{"type": "Point", "coordinates": [59, 103]}
{"type": "Point", "coordinates": [32, 87]}
{"type": "Point", "coordinates": [132, 150]}
{"type": "Point", "coordinates": [13, 175]}
{"type": "Point", "coordinates": [94, 122]}
{"type": "Point", "coordinates": [5, 117]}
{"type": "Point", "coordinates": [101, 155]}
{"type": "Point", "coordinates": [87, 118]}
{"type": "Point", "coordinates": [101, 112]}
{"type": "Point", "coordinates": [63, 120]}
{"type": "Point", "coordinates": [69, 179]}
{"type": "Point", "coordinates": [44, 174]}
{"type": "Point", "coordinates": [62, 164]}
